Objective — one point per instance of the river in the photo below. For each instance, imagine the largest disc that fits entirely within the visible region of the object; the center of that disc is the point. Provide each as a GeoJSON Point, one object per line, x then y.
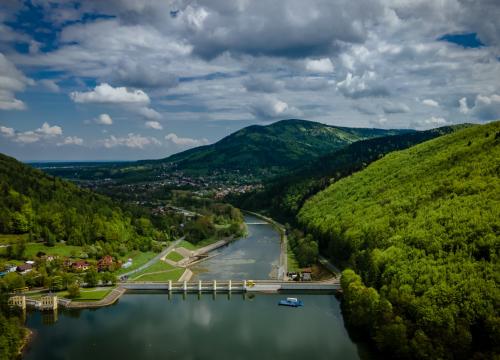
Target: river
{"type": "Point", "coordinates": [159, 326]}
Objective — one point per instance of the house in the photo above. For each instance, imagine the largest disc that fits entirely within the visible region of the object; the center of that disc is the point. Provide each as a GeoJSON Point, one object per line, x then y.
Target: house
{"type": "Point", "coordinates": [80, 265]}
{"type": "Point", "coordinates": [105, 263]}
{"type": "Point", "coordinates": [306, 274]}
{"type": "Point", "coordinates": [48, 258]}
{"type": "Point", "coordinates": [24, 268]}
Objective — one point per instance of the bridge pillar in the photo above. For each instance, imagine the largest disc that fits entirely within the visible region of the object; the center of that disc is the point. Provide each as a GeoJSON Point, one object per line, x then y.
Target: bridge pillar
{"type": "Point", "coordinates": [184, 285]}
{"type": "Point", "coordinates": [199, 285]}
{"type": "Point", "coordinates": [169, 285]}
{"type": "Point", "coordinates": [244, 285]}
{"type": "Point", "coordinates": [229, 286]}
{"type": "Point", "coordinates": [215, 285]}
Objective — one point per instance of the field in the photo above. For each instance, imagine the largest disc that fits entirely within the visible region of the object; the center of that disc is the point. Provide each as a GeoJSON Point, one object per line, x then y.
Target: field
{"type": "Point", "coordinates": [173, 275]}
{"type": "Point", "coordinates": [12, 238]}
{"type": "Point", "coordinates": [60, 249]}
{"type": "Point", "coordinates": [174, 256]}
{"type": "Point", "coordinates": [138, 258]}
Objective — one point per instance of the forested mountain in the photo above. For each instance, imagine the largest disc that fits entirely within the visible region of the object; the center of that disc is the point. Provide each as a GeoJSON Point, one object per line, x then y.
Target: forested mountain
{"type": "Point", "coordinates": [272, 148]}
{"type": "Point", "coordinates": [283, 196]}
{"type": "Point", "coordinates": [51, 209]}
{"type": "Point", "coordinates": [421, 229]}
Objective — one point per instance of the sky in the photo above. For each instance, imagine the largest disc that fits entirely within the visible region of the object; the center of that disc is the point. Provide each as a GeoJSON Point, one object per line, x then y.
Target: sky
{"type": "Point", "coordinates": [139, 79]}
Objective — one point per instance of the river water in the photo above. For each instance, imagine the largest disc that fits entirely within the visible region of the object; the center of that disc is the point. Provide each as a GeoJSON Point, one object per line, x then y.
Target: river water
{"type": "Point", "coordinates": [253, 257]}
{"type": "Point", "coordinates": [237, 326]}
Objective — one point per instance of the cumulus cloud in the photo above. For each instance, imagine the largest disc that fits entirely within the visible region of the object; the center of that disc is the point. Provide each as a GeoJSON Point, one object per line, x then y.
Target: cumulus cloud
{"type": "Point", "coordinates": [7, 131]}
{"type": "Point", "coordinates": [149, 113]}
{"type": "Point", "coordinates": [105, 93]}
{"type": "Point", "coordinates": [463, 107]}
{"type": "Point", "coordinates": [134, 141]}
{"type": "Point", "coordinates": [487, 107]}
{"type": "Point", "coordinates": [430, 102]}
{"type": "Point", "coordinates": [50, 85]}
{"type": "Point", "coordinates": [185, 141]}
{"type": "Point", "coordinates": [356, 87]}
{"type": "Point", "coordinates": [272, 108]}
{"type": "Point", "coordinates": [429, 123]}
{"type": "Point", "coordinates": [154, 125]}
{"type": "Point", "coordinates": [11, 81]}
{"type": "Point", "coordinates": [46, 132]}
{"type": "Point", "coordinates": [104, 119]}
{"type": "Point", "coordinates": [262, 83]}
{"type": "Point", "coordinates": [324, 65]}
{"type": "Point", "coordinates": [71, 140]}
{"type": "Point", "coordinates": [395, 108]}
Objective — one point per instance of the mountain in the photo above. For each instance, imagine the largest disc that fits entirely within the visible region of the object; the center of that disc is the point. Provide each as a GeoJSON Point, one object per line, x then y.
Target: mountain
{"type": "Point", "coordinates": [283, 196]}
{"type": "Point", "coordinates": [270, 149]}
{"type": "Point", "coordinates": [51, 209]}
{"type": "Point", "coordinates": [421, 230]}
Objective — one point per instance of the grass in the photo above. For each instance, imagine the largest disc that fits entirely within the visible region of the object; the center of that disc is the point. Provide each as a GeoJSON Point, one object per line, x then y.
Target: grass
{"type": "Point", "coordinates": [293, 264]}
{"type": "Point", "coordinates": [173, 275]}
{"type": "Point", "coordinates": [90, 294]}
{"type": "Point", "coordinates": [12, 238]}
{"type": "Point", "coordinates": [187, 245]}
{"type": "Point", "coordinates": [156, 267]}
{"type": "Point", "coordinates": [59, 249]}
{"type": "Point", "coordinates": [138, 259]}
{"type": "Point", "coordinates": [174, 256]}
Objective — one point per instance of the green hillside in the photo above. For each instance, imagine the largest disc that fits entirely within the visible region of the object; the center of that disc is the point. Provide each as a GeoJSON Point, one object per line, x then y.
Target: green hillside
{"type": "Point", "coordinates": [50, 210]}
{"type": "Point", "coordinates": [421, 227]}
{"type": "Point", "coordinates": [283, 196]}
{"type": "Point", "coordinates": [271, 148]}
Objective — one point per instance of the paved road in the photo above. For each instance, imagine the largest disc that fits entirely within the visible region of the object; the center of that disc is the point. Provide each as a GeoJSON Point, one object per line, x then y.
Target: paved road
{"type": "Point", "coordinates": [155, 259]}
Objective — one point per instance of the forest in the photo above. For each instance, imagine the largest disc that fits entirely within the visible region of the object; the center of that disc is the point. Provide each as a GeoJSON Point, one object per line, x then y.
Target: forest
{"type": "Point", "coordinates": [418, 232]}
{"type": "Point", "coordinates": [283, 196]}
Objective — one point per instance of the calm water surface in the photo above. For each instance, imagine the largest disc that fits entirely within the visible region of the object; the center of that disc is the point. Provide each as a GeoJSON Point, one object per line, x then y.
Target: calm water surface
{"type": "Point", "coordinates": [156, 326]}
{"type": "Point", "coordinates": [253, 257]}
{"type": "Point", "coordinates": [150, 326]}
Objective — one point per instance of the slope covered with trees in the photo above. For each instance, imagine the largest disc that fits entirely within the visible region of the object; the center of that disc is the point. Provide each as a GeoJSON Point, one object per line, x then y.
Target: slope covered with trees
{"type": "Point", "coordinates": [421, 230]}
{"type": "Point", "coordinates": [283, 196]}
{"type": "Point", "coordinates": [51, 209]}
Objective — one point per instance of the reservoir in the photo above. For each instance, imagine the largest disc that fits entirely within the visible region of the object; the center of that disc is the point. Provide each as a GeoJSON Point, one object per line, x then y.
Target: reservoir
{"type": "Point", "coordinates": [155, 325]}
{"type": "Point", "coordinates": [150, 326]}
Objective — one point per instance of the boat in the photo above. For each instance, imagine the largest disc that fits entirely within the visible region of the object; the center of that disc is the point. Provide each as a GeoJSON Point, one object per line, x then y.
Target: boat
{"type": "Point", "coordinates": [294, 302]}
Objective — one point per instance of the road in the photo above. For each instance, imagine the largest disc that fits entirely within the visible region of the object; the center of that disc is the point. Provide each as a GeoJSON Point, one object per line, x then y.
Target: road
{"type": "Point", "coordinates": [155, 259]}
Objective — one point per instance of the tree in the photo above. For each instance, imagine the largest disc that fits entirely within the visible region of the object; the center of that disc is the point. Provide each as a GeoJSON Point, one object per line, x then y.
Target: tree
{"type": "Point", "coordinates": [91, 278]}
{"type": "Point", "coordinates": [73, 290]}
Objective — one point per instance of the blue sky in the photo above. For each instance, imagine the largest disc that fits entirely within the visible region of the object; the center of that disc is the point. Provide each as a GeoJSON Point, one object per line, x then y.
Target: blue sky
{"type": "Point", "coordinates": [136, 79]}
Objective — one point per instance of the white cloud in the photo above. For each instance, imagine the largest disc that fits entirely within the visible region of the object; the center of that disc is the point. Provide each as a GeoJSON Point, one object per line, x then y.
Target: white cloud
{"type": "Point", "coordinates": [50, 85]}
{"type": "Point", "coordinates": [487, 107]}
{"type": "Point", "coordinates": [149, 113]}
{"type": "Point", "coordinates": [430, 102]}
{"type": "Point", "coordinates": [154, 125]}
{"type": "Point", "coordinates": [71, 140]}
{"type": "Point", "coordinates": [134, 141]}
{"type": "Point", "coordinates": [367, 85]}
{"type": "Point", "coordinates": [271, 108]}
{"type": "Point", "coordinates": [464, 109]}
{"type": "Point", "coordinates": [395, 108]}
{"type": "Point", "coordinates": [105, 93]}
{"type": "Point", "coordinates": [429, 123]}
{"type": "Point", "coordinates": [11, 81]}
{"type": "Point", "coordinates": [47, 130]}
{"type": "Point", "coordinates": [104, 119]}
{"type": "Point", "coordinates": [184, 141]}
{"type": "Point", "coordinates": [320, 65]}
{"type": "Point", "coordinates": [7, 131]}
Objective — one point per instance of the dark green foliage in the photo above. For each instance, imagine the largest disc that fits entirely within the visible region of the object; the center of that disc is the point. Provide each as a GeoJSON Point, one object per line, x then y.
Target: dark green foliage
{"type": "Point", "coordinates": [304, 247]}
{"type": "Point", "coordinates": [51, 210]}
{"type": "Point", "coordinates": [422, 228]}
{"type": "Point", "coordinates": [255, 152]}
{"type": "Point", "coordinates": [285, 195]}
{"type": "Point", "coordinates": [270, 149]}
{"type": "Point", "coordinates": [11, 330]}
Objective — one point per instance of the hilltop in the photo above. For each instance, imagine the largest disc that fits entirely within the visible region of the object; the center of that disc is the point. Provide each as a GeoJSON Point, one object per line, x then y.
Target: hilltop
{"type": "Point", "coordinates": [421, 229]}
